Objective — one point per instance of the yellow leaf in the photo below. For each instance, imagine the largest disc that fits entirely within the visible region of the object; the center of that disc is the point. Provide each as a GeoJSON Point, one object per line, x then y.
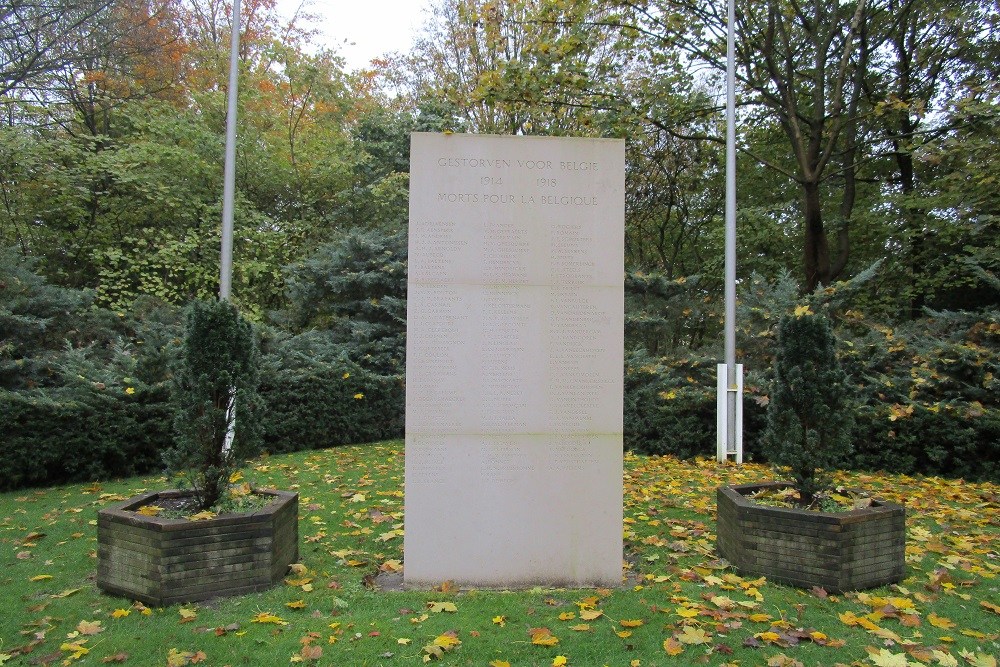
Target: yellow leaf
{"type": "Point", "coordinates": [298, 604]}
{"type": "Point", "coordinates": [150, 510]}
{"type": "Point", "coordinates": [768, 636]}
{"type": "Point", "coordinates": [447, 641]}
{"type": "Point", "coordinates": [75, 648]}
{"type": "Point", "coordinates": [202, 516]}
{"type": "Point", "coordinates": [759, 618]}
{"type": "Point", "coordinates": [582, 627]}
{"type": "Point", "coordinates": [978, 659]}
{"type": "Point", "coordinates": [405, 641]}
{"type": "Point", "coordinates": [187, 614]}
{"type": "Point", "coordinates": [989, 605]}
{"type": "Point", "coordinates": [499, 663]}
{"type": "Point", "coordinates": [268, 617]}
{"type": "Point", "coordinates": [89, 627]}
{"type": "Point", "coordinates": [848, 618]}
{"type": "Point", "coordinates": [884, 658]}
{"type": "Point", "coordinates": [631, 624]}
{"type": "Point", "coordinates": [559, 661]}
{"type": "Point", "coordinates": [120, 613]}
{"type": "Point", "coordinates": [687, 612]}
{"type": "Point", "coordinates": [544, 638]}
{"type": "Point", "coordinates": [590, 614]}
{"type": "Point", "coordinates": [66, 593]}
{"type": "Point", "coordinates": [723, 602]}
{"type": "Point", "coordinates": [41, 577]}
{"type": "Point", "coordinates": [974, 634]}
{"type": "Point", "coordinates": [940, 621]}
{"type": "Point", "coordinates": [802, 310]}
{"type": "Point", "coordinates": [235, 477]}
{"type": "Point", "coordinates": [692, 635]}
{"type": "Point", "coordinates": [438, 607]}
{"type": "Point", "coordinates": [672, 647]}
{"type": "Point", "coordinates": [567, 616]}
{"type": "Point", "coordinates": [500, 620]}
{"type": "Point", "coordinates": [944, 659]}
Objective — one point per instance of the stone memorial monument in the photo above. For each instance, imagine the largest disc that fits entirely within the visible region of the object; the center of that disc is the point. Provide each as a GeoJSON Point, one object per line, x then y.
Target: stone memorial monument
{"type": "Point", "coordinates": [515, 337]}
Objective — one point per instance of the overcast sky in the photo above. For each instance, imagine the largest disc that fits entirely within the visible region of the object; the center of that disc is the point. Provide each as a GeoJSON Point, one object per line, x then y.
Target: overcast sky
{"type": "Point", "coordinates": [364, 29]}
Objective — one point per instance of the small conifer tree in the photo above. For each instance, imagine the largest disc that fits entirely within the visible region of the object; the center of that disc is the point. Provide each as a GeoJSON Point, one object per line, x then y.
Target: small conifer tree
{"type": "Point", "coordinates": [809, 417]}
{"type": "Point", "coordinates": [214, 390]}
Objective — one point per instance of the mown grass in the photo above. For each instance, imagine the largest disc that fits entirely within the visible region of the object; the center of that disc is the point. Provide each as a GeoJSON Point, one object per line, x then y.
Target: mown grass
{"type": "Point", "coordinates": [351, 515]}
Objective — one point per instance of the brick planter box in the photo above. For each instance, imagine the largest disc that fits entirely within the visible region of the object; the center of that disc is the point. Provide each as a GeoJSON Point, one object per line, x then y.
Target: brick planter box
{"type": "Point", "coordinates": [839, 552]}
{"type": "Point", "coordinates": [166, 561]}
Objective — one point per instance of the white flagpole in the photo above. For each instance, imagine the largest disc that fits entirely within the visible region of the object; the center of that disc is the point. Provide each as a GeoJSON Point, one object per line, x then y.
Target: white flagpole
{"type": "Point", "coordinates": [229, 195]}
{"type": "Point", "coordinates": [730, 399]}
{"type": "Point", "coordinates": [229, 176]}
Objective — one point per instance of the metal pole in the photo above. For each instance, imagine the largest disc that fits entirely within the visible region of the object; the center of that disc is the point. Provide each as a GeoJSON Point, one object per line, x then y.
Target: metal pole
{"type": "Point", "coordinates": [229, 175]}
{"type": "Point", "coordinates": [228, 195]}
{"type": "Point", "coordinates": [730, 324]}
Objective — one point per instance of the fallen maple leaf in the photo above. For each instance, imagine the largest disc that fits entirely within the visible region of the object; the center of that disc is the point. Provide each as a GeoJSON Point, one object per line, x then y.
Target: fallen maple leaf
{"type": "Point", "coordinates": [543, 637]}
{"type": "Point", "coordinates": [499, 663]}
{"type": "Point", "coordinates": [672, 647]}
{"type": "Point", "coordinates": [590, 614]}
{"type": "Point", "coordinates": [500, 620]}
{"type": "Point", "coordinates": [117, 657]}
{"type": "Point", "coordinates": [76, 649]}
{"type": "Point", "coordinates": [940, 621]}
{"type": "Point", "coordinates": [149, 510]}
{"type": "Point", "coordinates": [692, 636]}
{"type": "Point", "coordinates": [885, 658]}
{"type": "Point", "coordinates": [978, 659]}
{"type": "Point", "coordinates": [559, 661]}
{"type": "Point", "coordinates": [438, 607]}
{"type": "Point", "coordinates": [89, 627]}
{"type": "Point", "coordinates": [187, 614]}
{"type": "Point", "coordinates": [944, 659]}
{"type": "Point", "coordinates": [120, 613]}
{"type": "Point", "coordinates": [631, 623]}
{"type": "Point", "coordinates": [297, 604]}
{"type": "Point", "coordinates": [268, 617]}
{"type": "Point", "coordinates": [311, 652]}
{"type": "Point", "coordinates": [782, 660]}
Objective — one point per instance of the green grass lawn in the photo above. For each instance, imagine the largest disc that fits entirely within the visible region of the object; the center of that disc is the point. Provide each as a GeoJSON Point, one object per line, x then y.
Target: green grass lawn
{"type": "Point", "coordinates": [678, 606]}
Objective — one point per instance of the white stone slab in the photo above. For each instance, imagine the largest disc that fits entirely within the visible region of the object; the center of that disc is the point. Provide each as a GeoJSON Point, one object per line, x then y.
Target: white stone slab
{"type": "Point", "coordinates": [513, 511]}
{"type": "Point", "coordinates": [514, 361]}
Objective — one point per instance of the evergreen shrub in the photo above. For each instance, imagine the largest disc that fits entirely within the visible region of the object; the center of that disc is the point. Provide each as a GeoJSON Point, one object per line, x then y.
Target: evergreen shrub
{"type": "Point", "coordinates": [811, 409]}
{"type": "Point", "coordinates": [214, 392]}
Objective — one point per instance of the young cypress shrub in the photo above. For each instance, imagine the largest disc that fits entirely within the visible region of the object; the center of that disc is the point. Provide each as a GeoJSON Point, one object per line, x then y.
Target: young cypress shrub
{"type": "Point", "coordinates": [810, 413]}
{"type": "Point", "coordinates": [214, 390]}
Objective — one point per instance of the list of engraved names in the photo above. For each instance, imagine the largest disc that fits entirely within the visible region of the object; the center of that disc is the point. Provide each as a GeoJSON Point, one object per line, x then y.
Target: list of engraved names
{"type": "Point", "coordinates": [514, 336]}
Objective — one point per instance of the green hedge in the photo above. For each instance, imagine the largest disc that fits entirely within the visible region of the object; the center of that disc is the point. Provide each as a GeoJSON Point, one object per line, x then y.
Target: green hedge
{"type": "Point", "coordinates": [73, 435]}
{"type": "Point", "coordinates": [314, 406]}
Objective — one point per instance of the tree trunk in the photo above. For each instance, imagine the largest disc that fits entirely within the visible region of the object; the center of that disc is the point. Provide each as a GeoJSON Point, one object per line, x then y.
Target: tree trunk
{"type": "Point", "coordinates": [816, 245]}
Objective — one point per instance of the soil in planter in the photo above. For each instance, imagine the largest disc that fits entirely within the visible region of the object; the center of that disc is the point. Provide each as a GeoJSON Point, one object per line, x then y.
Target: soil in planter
{"type": "Point", "coordinates": [241, 499]}
{"type": "Point", "coordinates": [836, 500]}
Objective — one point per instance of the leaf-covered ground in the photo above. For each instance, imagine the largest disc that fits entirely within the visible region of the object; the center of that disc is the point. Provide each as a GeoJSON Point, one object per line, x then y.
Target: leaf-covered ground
{"type": "Point", "coordinates": [680, 606]}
